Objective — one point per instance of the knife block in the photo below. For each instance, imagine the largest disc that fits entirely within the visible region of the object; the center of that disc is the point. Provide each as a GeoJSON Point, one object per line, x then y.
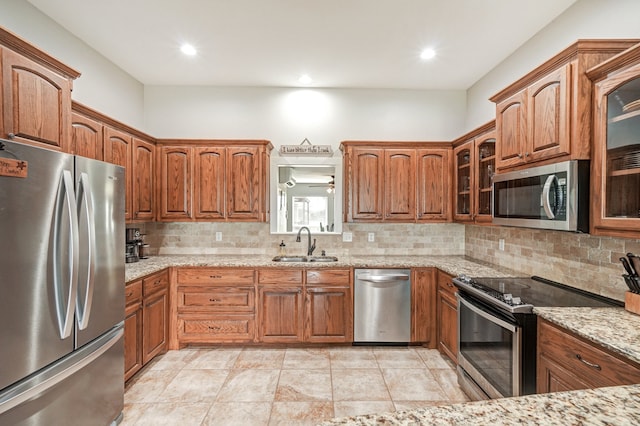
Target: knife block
{"type": "Point", "coordinates": [632, 302]}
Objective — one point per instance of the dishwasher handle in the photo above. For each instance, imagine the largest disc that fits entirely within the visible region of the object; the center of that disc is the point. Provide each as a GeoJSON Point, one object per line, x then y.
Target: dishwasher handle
{"type": "Point", "coordinates": [385, 278]}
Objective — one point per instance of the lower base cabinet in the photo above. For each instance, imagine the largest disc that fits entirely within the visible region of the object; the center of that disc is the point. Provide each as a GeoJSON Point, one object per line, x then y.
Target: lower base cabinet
{"type": "Point", "coordinates": [423, 307]}
{"type": "Point", "coordinates": [569, 362]}
{"type": "Point", "coordinates": [447, 316]}
{"type": "Point", "coordinates": [280, 313]}
{"type": "Point", "coordinates": [328, 314]}
{"type": "Point", "coordinates": [146, 325]}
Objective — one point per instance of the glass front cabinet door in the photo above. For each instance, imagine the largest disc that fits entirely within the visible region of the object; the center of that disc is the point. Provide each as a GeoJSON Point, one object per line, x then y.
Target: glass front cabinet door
{"type": "Point", "coordinates": [486, 166]}
{"type": "Point", "coordinates": [615, 194]}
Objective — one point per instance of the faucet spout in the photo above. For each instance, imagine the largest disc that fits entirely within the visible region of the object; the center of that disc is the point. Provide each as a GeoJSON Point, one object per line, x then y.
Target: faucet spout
{"type": "Point", "coordinates": [310, 248]}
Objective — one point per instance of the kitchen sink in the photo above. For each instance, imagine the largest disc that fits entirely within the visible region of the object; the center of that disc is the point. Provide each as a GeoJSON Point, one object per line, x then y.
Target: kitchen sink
{"type": "Point", "coordinates": [290, 259]}
{"type": "Point", "coordinates": [323, 259]}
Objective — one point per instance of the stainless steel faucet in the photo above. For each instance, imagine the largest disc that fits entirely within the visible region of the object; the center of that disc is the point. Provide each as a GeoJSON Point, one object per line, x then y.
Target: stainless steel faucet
{"type": "Point", "coordinates": [310, 248]}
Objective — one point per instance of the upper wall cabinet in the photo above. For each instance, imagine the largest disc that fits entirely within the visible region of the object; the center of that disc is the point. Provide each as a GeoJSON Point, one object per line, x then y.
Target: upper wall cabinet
{"type": "Point", "coordinates": [474, 166]}
{"type": "Point", "coordinates": [615, 169]}
{"type": "Point", "coordinates": [213, 180]}
{"type": "Point", "coordinates": [36, 95]}
{"type": "Point", "coordinates": [545, 116]}
{"type": "Point", "coordinates": [396, 182]}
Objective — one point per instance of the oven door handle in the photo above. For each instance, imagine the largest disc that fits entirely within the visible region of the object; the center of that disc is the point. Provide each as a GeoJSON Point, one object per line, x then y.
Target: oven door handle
{"type": "Point", "coordinates": [486, 315]}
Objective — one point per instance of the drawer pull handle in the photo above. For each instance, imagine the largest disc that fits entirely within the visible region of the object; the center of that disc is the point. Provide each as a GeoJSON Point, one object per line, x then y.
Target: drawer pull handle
{"type": "Point", "coordinates": [214, 300]}
{"type": "Point", "coordinates": [590, 364]}
{"type": "Point", "coordinates": [128, 295]}
{"type": "Point", "coordinates": [215, 277]}
{"type": "Point", "coordinates": [450, 285]}
{"type": "Point", "coordinates": [214, 328]}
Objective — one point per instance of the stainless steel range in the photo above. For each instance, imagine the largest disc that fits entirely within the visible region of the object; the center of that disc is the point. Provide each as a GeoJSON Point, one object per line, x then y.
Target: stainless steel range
{"type": "Point", "coordinates": [497, 331]}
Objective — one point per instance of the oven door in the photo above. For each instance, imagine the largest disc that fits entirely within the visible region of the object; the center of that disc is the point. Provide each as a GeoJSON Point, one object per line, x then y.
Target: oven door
{"type": "Point", "coordinates": [489, 345]}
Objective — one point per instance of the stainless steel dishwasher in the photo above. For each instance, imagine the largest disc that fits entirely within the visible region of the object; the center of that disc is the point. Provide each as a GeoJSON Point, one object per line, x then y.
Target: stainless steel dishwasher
{"type": "Point", "coordinates": [382, 306]}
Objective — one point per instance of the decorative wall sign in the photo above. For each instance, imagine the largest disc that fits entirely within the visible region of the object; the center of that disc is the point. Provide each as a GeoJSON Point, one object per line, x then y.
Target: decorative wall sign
{"type": "Point", "coordinates": [13, 168]}
{"type": "Point", "coordinates": [306, 148]}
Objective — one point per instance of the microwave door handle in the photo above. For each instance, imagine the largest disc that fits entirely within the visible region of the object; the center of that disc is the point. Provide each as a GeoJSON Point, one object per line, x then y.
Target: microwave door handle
{"type": "Point", "coordinates": [546, 193]}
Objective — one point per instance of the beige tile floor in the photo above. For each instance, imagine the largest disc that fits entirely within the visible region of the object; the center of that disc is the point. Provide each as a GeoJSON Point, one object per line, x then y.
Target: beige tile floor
{"type": "Point", "coordinates": [286, 386]}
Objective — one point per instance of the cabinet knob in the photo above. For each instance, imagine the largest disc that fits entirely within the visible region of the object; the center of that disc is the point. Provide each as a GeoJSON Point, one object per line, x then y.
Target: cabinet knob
{"type": "Point", "coordinates": [520, 156]}
{"type": "Point", "coordinates": [526, 154]}
{"type": "Point", "coordinates": [214, 300]}
{"type": "Point", "coordinates": [11, 135]}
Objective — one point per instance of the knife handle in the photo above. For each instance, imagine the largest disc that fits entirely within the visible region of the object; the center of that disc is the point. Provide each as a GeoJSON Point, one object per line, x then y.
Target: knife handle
{"type": "Point", "coordinates": [635, 263]}
{"type": "Point", "coordinates": [626, 265]}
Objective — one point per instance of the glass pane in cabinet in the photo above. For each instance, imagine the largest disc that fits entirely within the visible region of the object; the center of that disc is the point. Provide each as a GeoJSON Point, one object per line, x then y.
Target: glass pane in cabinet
{"type": "Point", "coordinates": [463, 205]}
{"type": "Point", "coordinates": [623, 152]}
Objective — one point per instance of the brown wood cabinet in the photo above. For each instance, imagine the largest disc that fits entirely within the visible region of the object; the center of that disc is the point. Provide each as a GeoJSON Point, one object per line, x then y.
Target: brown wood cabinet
{"type": "Point", "coordinates": [396, 181]}
{"type": "Point", "coordinates": [423, 306]}
{"type": "Point", "coordinates": [86, 137]}
{"type": "Point", "coordinates": [133, 360]}
{"type": "Point", "coordinates": [213, 180]}
{"type": "Point", "coordinates": [328, 306]}
{"type": "Point", "coordinates": [155, 311]}
{"type": "Point", "coordinates": [118, 146]}
{"type": "Point", "coordinates": [36, 95]}
{"type": "Point", "coordinates": [545, 116]}
{"type": "Point", "coordinates": [474, 166]}
{"type": "Point", "coordinates": [215, 305]}
{"type": "Point", "coordinates": [566, 361]}
{"type": "Point", "coordinates": [142, 175]}
{"type": "Point", "coordinates": [447, 316]}
{"type": "Point", "coordinates": [615, 169]}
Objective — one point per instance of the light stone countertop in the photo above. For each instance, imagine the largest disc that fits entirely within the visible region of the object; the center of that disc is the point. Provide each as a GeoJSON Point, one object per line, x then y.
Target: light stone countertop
{"type": "Point", "coordinates": [454, 265]}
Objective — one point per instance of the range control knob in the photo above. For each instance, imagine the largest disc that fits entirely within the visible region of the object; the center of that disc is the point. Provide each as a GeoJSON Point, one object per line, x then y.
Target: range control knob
{"type": "Point", "coordinates": [507, 297]}
{"type": "Point", "coordinates": [516, 301]}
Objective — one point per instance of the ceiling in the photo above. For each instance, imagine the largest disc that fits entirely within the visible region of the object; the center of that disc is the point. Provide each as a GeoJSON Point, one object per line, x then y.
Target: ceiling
{"type": "Point", "coordinates": [338, 43]}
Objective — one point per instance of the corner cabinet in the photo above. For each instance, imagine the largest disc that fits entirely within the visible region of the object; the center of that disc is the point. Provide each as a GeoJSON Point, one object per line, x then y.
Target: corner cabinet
{"type": "Point", "coordinates": [423, 306]}
{"type": "Point", "coordinates": [213, 180]}
{"type": "Point", "coordinates": [396, 181]}
{"type": "Point", "coordinates": [615, 169]}
{"type": "Point", "coordinates": [474, 167]}
{"type": "Point", "coordinates": [545, 116]}
{"type": "Point", "coordinates": [36, 95]}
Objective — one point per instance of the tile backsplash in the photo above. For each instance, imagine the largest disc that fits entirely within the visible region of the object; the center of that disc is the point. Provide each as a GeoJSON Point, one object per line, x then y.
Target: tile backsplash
{"type": "Point", "coordinates": [579, 260]}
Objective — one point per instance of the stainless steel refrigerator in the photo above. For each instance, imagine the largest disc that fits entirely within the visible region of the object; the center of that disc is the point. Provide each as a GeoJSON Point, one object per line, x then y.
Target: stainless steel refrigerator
{"type": "Point", "coordinates": [61, 288]}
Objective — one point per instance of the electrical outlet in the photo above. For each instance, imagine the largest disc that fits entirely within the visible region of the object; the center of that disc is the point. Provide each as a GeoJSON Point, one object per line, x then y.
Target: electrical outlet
{"type": "Point", "coordinates": [501, 244]}
{"type": "Point", "coordinates": [347, 237]}
{"type": "Point", "coordinates": [371, 237]}
{"type": "Point", "coordinates": [218, 236]}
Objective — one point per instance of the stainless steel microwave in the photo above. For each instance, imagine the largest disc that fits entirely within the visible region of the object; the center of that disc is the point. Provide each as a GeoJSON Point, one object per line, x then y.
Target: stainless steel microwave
{"type": "Point", "coordinates": [555, 196]}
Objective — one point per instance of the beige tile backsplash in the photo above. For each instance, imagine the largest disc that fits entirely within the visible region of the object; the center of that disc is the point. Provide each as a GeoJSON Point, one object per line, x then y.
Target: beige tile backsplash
{"type": "Point", "coordinates": [579, 260]}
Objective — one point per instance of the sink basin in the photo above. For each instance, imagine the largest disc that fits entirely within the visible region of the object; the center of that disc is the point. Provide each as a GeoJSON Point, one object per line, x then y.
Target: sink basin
{"type": "Point", "coordinates": [290, 259]}
{"type": "Point", "coordinates": [323, 259]}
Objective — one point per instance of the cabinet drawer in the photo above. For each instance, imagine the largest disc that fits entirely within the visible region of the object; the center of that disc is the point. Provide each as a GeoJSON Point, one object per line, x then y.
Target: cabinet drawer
{"type": "Point", "coordinates": [133, 293]}
{"type": "Point", "coordinates": [217, 299]}
{"type": "Point", "coordinates": [586, 360]}
{"type": "Point", "coordinates": [328, 276]}
{"type": "Point", "coordinates": [216, 328]}
{"type": "Point", "coordinates": [280, 276]}
{"type": "Point", "coordinates": [155, 283]}
{"type": "Point", "coordinates": [445, 285]}
{"type": "Point", "coordinates": [215, 276]}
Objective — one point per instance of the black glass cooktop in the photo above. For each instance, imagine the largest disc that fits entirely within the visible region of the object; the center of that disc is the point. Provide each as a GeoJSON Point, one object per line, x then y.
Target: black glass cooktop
{"type": "Point", "coordinates": [537, 291]}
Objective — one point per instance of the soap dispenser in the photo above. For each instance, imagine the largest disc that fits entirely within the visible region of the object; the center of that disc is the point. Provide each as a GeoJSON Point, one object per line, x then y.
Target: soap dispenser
{"type": "Point", "coordinates": [283, 249]}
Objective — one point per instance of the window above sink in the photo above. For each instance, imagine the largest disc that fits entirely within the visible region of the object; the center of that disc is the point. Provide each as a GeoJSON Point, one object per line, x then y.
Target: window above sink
{"type": "Point", "coordinates": [306, 192]}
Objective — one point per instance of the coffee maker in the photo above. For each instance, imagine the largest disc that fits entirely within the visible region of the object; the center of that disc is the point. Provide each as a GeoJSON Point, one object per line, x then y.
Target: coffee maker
{"type": "Point", "coordinates": [133, 243]}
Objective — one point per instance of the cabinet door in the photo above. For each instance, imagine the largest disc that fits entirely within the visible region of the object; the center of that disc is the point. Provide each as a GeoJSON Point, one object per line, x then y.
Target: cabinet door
{"type": "Point", "coordinates": [132, 340]}
{"type": "Point", "coordinates": [209, 179]}
{"type": "Point", "coordinates": [366, 184]}
{"type": "Point", "coordinates": [434, 183]}
{"type": "Point", "coordinates": [280, 311]}
{"type": "Point", "coordinates": [548, 116]}
{"type": "Point", "coordinates": [400, 184]}
{"type": "Point", "coordinates": [155, 325]}
{"type": "Point", "coordinates": [117, 150]}
{"type": "Point", "coordinates": [86, 137]}
{"type": "Point", "coordinates": [175, 183]}
{"type": "Point", "coordinates": [142, 177]}
{"type": "Point", "coordinates": [511, 127]}
{"type": "Point", "coordinates": [36, 102]}
{"type": "Point", "coordinates": [464, 181]}
{"type": "Point", "coordinates": [243, 179]}
{"type": "Point", "coordinates": [447, 313]}
{"type": "Point", "coordinates": [486, 167]}
{"type": "Point", "coordinates": [329, 314]}
{"type": "Point", "coordinates": [423, 307]}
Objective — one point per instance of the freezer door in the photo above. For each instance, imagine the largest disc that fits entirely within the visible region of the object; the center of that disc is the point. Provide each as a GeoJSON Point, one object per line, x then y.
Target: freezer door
{"type": "Point", "coordinates": [100, 200]}
{"type": "Point", "coordinates": [85, 388]}
{"type": "Point", "coordinates": [36, 266]}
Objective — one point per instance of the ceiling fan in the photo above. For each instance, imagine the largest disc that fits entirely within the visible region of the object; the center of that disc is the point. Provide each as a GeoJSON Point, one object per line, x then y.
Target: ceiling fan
{"type": "Point", "coordinates": [330, 185]}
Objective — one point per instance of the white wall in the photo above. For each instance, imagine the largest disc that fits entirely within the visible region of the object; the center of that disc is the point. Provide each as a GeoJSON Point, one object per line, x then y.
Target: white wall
{"type": "Point", "coordinates": [288, 115]}
{"type": "Point", "coordinates": [585, 19]}
{"type": "Point", "coordinates": [102, 85]}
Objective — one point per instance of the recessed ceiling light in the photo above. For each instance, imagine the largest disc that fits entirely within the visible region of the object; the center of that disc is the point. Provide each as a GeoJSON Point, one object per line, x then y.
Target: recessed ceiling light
{"type": "Point", "coordinates": [427, 54]}
{"type": "Point", "coordinates": [188, 49]}
{"type": "Point", "coordinates": [305, 79]}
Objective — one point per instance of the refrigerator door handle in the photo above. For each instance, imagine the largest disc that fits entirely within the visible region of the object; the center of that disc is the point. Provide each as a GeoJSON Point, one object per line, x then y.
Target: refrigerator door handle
{"type": "Point", "coordinates": [87, 233]}
{"type": "Point", "coordinates": [58, 372]}
{"type": "Point", "coordinates": [65, 209]}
